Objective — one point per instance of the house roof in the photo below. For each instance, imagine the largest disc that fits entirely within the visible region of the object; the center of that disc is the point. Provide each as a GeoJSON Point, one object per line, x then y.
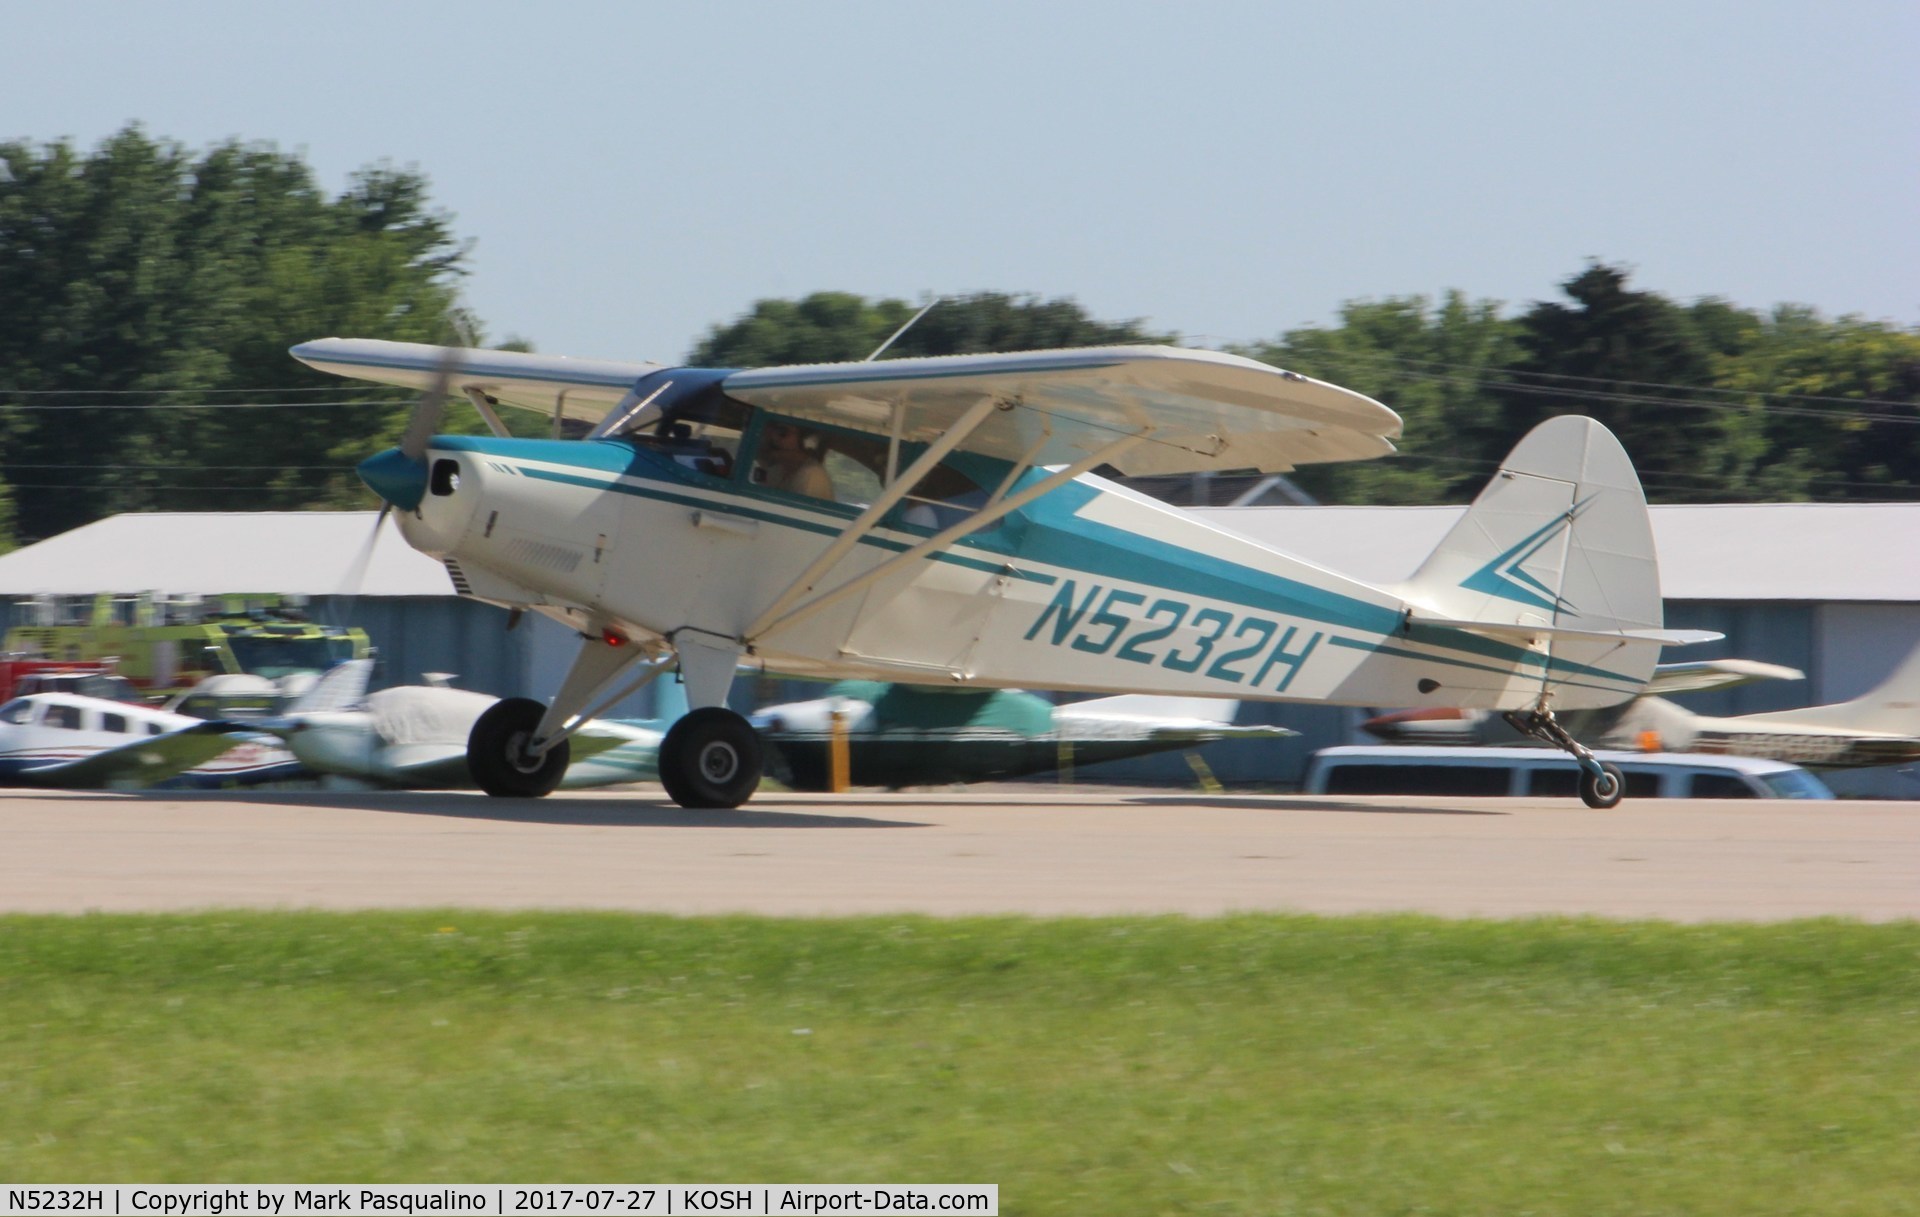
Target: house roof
{"type": "Point", "coordinates": [1763, 551]}
{"type": "Point", "coordinates": [1733, 551]}
{"type": "Point", "coordinates": [310, 553]}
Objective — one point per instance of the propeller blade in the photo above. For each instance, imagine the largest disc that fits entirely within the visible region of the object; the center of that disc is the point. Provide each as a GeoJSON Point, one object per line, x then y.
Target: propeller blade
{"type": "Point", "coordinates": [433, 404]}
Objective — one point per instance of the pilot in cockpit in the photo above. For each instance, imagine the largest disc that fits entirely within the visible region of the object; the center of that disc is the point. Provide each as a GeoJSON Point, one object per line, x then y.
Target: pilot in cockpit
{"type": "Point", "coordinates": [788, 461]}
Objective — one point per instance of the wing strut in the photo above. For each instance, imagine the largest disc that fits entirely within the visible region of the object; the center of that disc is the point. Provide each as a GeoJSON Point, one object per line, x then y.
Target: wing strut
{"type": "Point", "coordinates": [864, 523]}
{"type": "Point", "coordinates": [941, 540]}
{"type": "Point", "coordinates": [487, 415]}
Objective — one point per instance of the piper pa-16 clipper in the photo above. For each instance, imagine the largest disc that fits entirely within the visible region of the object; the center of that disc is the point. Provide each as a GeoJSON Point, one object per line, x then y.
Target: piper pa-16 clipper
{"type": "Point", "coordinates": [937, 520]}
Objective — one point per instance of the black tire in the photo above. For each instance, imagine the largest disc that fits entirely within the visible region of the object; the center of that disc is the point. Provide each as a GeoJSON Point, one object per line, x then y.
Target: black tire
{"type": "Point", "coordinates": [1603, 791]}
{"type": "Point", "coordinates": [711, 758]}
{"type": "Point", "coordinates": [497, 752]}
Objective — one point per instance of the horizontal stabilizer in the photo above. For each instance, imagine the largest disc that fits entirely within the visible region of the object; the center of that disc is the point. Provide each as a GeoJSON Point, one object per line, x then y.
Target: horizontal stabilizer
{"type": "Point", "coordinates": [1532, 633]}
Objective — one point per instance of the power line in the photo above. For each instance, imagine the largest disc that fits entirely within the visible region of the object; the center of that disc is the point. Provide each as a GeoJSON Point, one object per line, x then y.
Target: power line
{"type": "Point", "coordinates": [1388, 357]}
{"type": "Point", "coordinates": [148, 392]}
{"type": "Point", "coordinates": [211, 405]}
{"type": "Point", "coordinates": [126, 468]}
{"type": "Point", "coordinates": [1593, 395]}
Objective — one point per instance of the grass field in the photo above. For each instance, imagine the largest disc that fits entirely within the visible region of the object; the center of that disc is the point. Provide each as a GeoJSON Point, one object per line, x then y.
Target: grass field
{"type": "Point", "coordinates": [1257, 1064]}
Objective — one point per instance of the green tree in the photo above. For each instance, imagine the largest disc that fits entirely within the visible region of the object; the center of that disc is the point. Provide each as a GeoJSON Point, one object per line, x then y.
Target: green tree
{"type": "Point", "coordinates": [145, 291]}
{"type": "Point", "coordinates": [7, 542]}
{"type": "Point", "coordinates": [1430, 364]}
{"type": "Point", "coordinates": [831, 327]}
{"type": "Point", "coordinates": [1840, 403]}
{"type": "Point", "coordinates": [1646, 368]}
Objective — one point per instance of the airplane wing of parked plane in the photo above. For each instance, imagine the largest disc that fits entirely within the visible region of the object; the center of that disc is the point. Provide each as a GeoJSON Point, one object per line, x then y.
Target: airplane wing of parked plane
{"type": "Point", "coordinates": [1166, 720]}
{"type": "Point", "coordinates": [150, 759]}
{"type": "Point", "coordinates": [1702, 675]}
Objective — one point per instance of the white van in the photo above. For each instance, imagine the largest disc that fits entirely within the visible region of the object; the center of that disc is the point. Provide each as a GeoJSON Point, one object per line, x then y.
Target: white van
{"type": "Point", "coordinates": [1548, 773]}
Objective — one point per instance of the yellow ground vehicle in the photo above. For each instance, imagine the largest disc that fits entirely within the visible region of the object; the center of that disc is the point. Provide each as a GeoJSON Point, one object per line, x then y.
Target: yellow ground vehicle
{"type": "Point", "coordinates": [166, 645]}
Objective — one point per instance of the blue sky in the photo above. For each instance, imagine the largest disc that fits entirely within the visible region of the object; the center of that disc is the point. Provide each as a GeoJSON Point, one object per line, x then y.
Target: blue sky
{"type": "Point", "coordinates": [633, 174]}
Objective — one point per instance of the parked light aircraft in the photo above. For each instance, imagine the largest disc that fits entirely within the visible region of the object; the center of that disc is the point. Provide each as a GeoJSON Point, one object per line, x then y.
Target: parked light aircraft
{"type": "Point", "coordinates": [1880, 727]}
{"type": "Point", "coordinates": [937, 520]}
{"type": "Point", "coordinates": [65, 740]}
{"type": "Point", "coordinates": [911, 735]}
{"type": "Point", "coordinates": [415, 736]}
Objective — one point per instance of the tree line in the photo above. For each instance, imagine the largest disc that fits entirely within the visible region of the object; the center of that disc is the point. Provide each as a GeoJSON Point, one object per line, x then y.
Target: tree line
{"type": "Point", "coordinates": [148, 295]}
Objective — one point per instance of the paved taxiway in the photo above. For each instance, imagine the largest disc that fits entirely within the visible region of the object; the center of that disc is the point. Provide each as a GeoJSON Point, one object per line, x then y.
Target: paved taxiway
{"type": "Point", "coordinates": [1043, 853]}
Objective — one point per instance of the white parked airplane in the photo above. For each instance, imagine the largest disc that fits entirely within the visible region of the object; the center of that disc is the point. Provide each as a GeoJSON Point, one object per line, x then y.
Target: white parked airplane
{"type": "Point", "coordinates": [1880, 727]}
{"type": "Point", "coordinates": [938, 521]}
{"type": "Point", "coordinates": [65, 740]}
{"type": "Point", "coordinates": [910, 735]}
{"type": "Point", "coordinates": [415, 736]}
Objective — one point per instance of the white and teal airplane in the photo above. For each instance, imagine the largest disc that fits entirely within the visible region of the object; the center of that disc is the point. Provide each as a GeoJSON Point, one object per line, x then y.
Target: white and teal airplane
{"type": "Point", "coordinates": [939, 521]}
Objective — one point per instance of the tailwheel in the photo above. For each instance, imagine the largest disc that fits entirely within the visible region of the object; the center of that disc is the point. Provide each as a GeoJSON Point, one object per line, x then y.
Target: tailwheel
{"type": "Point", "coordinates": [710, 758]}
{"type": "Point", "coordinates": [1602, 790]}
{"type": "Point", "coordinates": [498, 754]}
{"type": "Point", "coordinates": [1601, 784]}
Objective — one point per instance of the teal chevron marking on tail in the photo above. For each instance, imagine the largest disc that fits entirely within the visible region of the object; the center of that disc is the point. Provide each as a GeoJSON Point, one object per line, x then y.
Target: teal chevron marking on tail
{"type": "Point", "coordinates": [1505, 577]}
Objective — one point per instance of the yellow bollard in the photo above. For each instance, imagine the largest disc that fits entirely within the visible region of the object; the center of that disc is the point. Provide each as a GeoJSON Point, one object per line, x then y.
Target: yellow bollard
{"type": "Point", "coordinates": [839, 760]}
{"type": "Point", "coordinates": [1201, 770]}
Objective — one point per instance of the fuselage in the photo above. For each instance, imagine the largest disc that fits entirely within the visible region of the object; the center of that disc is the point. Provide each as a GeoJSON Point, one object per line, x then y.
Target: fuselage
{"type": "Point", "coordinates": [1090, 587]}
{"type": "Point", "coordinates": [416, 736]}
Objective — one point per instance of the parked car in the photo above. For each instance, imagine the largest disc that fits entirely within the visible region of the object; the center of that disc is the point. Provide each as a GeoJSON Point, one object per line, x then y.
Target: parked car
{"type": "Point", "coordinates": [1544, 773]}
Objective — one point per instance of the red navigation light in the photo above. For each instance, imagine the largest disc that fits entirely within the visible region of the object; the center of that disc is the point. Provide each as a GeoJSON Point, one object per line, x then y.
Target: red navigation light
{"type": "Point", "coordinates": [613, 638]}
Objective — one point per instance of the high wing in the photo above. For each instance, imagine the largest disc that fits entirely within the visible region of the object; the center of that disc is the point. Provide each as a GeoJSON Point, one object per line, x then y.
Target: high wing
{"type": "Point", "coordinates": [153, 758]}
{"type": "Point", "coordinates": [1200, 410]}
{"type": "Point", "coordinates": [582, 389]}
{"type": "Point", "coordinates": [1203, 410]}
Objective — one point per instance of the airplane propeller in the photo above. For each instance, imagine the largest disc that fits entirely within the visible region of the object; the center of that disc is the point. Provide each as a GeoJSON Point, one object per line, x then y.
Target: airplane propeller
{"type": "Point", "coordinates": [399, 475]}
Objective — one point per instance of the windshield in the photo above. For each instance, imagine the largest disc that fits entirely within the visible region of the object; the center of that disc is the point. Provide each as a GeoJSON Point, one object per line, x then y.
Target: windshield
{"type": "Point", "coordinates": [1795, 784]}
{"type": "Point", "coordinates": [701, 430]}
{"type": "Point", "coordinates": [275, 657]}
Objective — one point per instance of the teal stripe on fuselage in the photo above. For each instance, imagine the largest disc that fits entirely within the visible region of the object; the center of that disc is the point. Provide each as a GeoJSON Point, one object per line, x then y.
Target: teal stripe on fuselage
{"type": "Point", "coordinates": [1059, 537]}
{"type": "Point", "coordinates": [1051, 532]}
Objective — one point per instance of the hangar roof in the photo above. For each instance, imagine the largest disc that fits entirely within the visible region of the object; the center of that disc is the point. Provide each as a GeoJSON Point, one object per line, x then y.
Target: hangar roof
{"type": "Point", "coordinates": [1723, 551]}
{"type": "Point", "coordinates": [1762, 551]}
{"type": "Point", "coordinates": [309, 553]}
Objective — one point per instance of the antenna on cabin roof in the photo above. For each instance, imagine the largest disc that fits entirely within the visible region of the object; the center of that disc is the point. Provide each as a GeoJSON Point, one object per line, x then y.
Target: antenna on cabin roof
{"type": "Point", "coordinates": [903, 329]}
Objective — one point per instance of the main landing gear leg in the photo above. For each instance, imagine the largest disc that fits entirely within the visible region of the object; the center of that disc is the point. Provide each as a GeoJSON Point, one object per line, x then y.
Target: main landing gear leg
{"type": "Point", "coordinates": [1601, 784]}
{"type": "Point", "coordinates": [711, 758]}
{"type": "Point", "coordinates": [519, 748]}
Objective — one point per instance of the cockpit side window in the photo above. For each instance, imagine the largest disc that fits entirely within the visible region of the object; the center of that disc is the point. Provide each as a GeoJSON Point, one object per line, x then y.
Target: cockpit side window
{"type": "Point", "coordinates": [801, 457]}
{"type": "Point", "coordinates": [17, 712]}
{"type": "Point", "coordinates": [62, 716]}
{"type": "Point", "coordinates": [946, 496]}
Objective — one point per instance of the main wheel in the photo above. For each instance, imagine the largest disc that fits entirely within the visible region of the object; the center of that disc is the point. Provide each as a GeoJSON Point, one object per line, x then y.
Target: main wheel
{"type": "Point", "coordinates": [710, 758]}
{"type": "Point", "coordinates": [497, 753]}
{"type": "Point", "coordinates": [1604, 790]}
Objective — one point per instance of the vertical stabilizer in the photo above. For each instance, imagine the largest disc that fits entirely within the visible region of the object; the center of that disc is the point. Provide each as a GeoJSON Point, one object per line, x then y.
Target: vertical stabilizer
{"type": "Point", "coordinates": [1891, 706]}
{"type": "Point", "coordinates": [1559, 542]}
